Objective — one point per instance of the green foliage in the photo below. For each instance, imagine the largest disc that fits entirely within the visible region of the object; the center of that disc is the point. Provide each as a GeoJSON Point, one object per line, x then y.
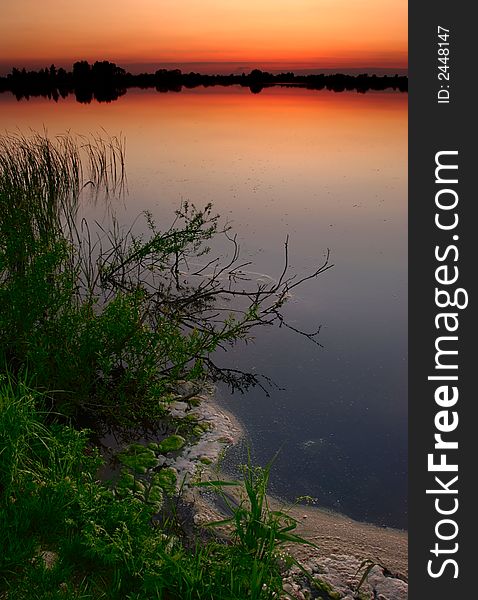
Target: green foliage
{"type": "Point", "coordinates": [106, 326]}
{"type": "Point", "coordinates": [108, 329]}
{"type": "Point", "coordinates": [103, 545]}
{"type": "Point", "coordinates": [138, 458]}
{"type": "Point", "coordinates": [257, 529]}
{"type": "Point", "coordinates": [166, 479]}
{"type": "Point", "coordinates": [137, 478]}
{"type": "Point", "coordinates": [99, 356]}
{"type": "Point", "coordinates": [108, 322]}
{"type": "Point", "coordinates": [70, 339]}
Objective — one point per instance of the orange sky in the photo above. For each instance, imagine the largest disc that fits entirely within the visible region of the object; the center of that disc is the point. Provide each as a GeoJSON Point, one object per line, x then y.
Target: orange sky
{"type": "Point", "coordinates": [311, 33]}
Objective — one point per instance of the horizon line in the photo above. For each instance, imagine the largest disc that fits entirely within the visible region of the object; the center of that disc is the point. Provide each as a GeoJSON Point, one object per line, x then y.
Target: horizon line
{"type": "Point", "coordinates": [236, 66]}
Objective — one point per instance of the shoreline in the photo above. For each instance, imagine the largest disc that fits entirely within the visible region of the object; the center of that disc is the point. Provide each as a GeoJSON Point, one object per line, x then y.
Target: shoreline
{"type": "Point", "coordinates": [338, 534]}
{"type": "Point", "coordinates": [335, 533]}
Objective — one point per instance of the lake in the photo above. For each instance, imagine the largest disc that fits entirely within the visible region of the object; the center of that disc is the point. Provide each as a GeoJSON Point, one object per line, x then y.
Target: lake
{"type": "Point", "coordinates": [330, 171]}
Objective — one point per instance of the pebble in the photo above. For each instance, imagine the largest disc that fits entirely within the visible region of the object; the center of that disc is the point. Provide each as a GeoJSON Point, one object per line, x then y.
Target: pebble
{"type": "Point", "coordinates": [287, 587]}
{"type": "Point", "coordinates": [389, 588]}
{"type": "Point", "coordinates": [339, 572]}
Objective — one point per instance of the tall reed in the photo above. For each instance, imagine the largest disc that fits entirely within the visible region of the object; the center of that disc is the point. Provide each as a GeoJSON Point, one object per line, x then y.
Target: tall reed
{"type": "Point", "coordinates": [41, 180]}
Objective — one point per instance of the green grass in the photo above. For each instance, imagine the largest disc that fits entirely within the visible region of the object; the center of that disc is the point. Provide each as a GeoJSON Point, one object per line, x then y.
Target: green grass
{"type": "Point", "coordinates": [104, 322]}
{"type": "Point", "coordinates": [105, 546]}
{"type": "Point", "coordinates": [84, 330]}
{"type": "Point", "coordinates": [106, 329]}
{"type": "Point", "coordinates": [257, 529]}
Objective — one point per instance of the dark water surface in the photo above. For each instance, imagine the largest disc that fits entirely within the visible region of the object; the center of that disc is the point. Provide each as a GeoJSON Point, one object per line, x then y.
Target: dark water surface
{"type": "Point", "coordinates": [330, 170]}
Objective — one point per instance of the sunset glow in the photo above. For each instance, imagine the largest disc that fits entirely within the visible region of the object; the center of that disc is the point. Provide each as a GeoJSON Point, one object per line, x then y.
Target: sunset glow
{"type": "Point", "coordinates": [302, 33]}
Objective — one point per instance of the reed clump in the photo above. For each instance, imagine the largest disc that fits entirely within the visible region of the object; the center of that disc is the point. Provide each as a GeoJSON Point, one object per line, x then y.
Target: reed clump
{"type": "Point", "coordinates": [108, 321]}
{"type": "Point", "coordinates": [102, 328]}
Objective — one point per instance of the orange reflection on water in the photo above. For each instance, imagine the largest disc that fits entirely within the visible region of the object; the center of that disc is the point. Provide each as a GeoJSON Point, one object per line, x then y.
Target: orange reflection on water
{"type": "Point", "coordinates": [320, 149]}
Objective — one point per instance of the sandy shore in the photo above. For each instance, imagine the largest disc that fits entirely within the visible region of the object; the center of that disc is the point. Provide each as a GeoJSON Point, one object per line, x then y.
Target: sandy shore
{"type": "Point", "coordinates": [337, 534]}
{"type": "Point", "coordinates": [332, 532]}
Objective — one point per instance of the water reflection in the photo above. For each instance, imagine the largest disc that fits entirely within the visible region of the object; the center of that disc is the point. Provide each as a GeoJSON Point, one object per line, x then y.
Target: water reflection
{"type": "Point", "coordinates": [104, 81]}
{"type": "Point", "coordinates": [330, 171]}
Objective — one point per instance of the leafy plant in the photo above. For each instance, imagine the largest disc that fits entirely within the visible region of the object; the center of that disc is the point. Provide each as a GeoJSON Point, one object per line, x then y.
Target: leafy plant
{"type": "Point", "coordinates": [108, 322]}
{"type": "Point", "coordinates": [258, 529]}
{"type": "Point", "coordinates": [63, 534]}
{"type": "Point", "coordinates": [108, 326]}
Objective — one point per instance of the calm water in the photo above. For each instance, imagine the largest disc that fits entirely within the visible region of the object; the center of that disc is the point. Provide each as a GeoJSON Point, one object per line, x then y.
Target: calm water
{"type": "Point", "coordinates": [330, 170]}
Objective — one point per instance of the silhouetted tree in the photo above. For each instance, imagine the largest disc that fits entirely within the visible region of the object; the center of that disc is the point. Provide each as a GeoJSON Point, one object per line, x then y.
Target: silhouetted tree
{"type": "Point", "coordinates": [81, 70]}
{"type": "Point", "coordinates": [105, 81]}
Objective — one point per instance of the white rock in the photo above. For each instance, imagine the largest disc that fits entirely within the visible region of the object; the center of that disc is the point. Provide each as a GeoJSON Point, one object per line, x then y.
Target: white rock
{"type": "Point", "coordinates": [388, 587]}
{"type": "Point", "coordinates": [287, 587]}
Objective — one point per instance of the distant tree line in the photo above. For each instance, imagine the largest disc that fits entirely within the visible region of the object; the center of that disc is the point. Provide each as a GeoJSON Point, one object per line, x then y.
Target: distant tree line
{"type": "Point", "coordinates": [104, 81]}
